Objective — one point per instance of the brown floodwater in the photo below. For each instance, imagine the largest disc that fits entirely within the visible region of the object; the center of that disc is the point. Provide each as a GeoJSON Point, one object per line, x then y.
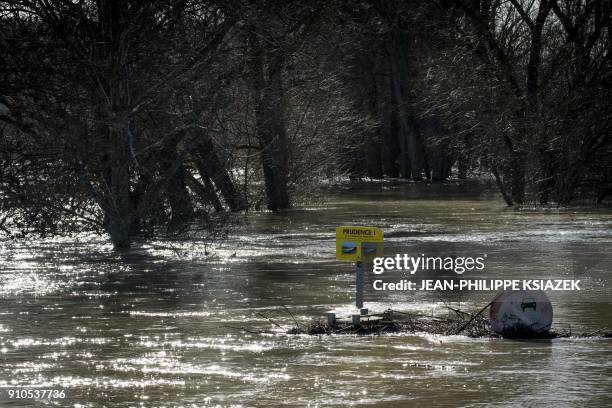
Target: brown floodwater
{"type": "Point", "coordinates": [161, 325]}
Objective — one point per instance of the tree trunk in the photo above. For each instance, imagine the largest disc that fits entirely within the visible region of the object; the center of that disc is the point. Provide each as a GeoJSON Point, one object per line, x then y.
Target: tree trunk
{"type": "Point", "coordinates": [266, 73]}
{"type": "Point", "coordinates": [388, 126]}
{"type": "Point", "coordinates": [500, 185]}
{"type": "Point", "coordinates": [440, 164]}
{"type": "Point", "coordinates": [373, 158]}
{"type": "Point", "coordinates": [533, 88]}
{"type": "Point", "coordinates": [367, 91]}
{"type": "Point", "coordinates": [210, 166]}
{"type": "Point", "coordinates": [547, 179]}
{"type": "Point", "coordinates": [116, 202]}
{"type": "Point", "coordinates": [204, 190]}
{"type": "Point", "coordinates": [517, 175]}
{"type": "Point", "coordinates": [569, 177]}
{"type": "Point", "coordinates": [412, 163]}
{"type": "Point", "coordinates": [462, 167]}
{"type": "Point", "coordinates": [177, 195]}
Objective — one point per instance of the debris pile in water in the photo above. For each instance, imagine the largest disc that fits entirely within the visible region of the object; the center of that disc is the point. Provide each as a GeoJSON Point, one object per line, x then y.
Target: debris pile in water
{"type": "Point", "coordinates": [392, 321]}
{"type": "Point", "coordinates": [401, 322]}
{"type": "Point", "coordinates": [457, 322]}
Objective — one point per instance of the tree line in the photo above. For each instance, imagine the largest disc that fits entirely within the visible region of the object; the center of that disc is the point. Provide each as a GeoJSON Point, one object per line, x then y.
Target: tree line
{"type": "Point", "coordinates": [137, 118]}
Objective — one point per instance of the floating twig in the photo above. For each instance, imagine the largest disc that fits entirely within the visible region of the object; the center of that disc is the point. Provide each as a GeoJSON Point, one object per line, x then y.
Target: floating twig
{"type": "Point", "coordinates": [297, 325]}
{"type": "Point", "coordinates": [270, 320]}
{"type": "Point", "coordinates": [478, 314]}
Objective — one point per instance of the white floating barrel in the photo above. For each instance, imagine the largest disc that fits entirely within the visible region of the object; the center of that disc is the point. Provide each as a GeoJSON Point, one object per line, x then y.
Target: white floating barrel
{"type": "Point", "coordinates": [521, 312]}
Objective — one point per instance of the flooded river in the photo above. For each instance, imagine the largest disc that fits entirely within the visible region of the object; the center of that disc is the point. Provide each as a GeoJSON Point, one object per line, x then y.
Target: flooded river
{"type": "Point", "coordinates": [162, 325]}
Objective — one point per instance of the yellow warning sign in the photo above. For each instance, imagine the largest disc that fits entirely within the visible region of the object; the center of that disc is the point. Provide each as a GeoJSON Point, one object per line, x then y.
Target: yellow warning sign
{"type": "Point", "coordinates": [358, 243]}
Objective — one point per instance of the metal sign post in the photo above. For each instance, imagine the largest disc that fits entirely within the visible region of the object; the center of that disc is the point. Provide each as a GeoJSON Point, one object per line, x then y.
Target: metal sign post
{"type": "Point", "coordinates": [359, 284]}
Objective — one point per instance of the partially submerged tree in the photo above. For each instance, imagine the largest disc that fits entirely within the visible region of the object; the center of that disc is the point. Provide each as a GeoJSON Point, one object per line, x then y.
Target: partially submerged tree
{"type": "Point", "coordinates": [139, 118]}
{"type": "Point", "coordinates": [113, 81]}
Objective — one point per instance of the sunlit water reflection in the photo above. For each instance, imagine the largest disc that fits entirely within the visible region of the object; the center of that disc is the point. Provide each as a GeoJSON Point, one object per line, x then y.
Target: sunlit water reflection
{"type": "Point", "coordinates": [165, 325]}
